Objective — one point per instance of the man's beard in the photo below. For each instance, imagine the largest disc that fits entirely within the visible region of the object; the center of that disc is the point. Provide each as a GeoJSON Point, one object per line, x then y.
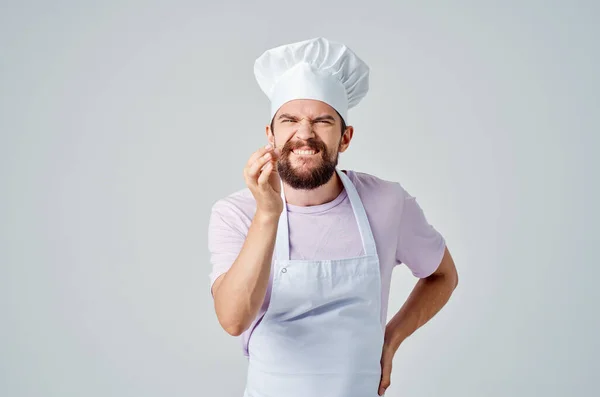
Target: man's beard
{"type": "Point", "coordinates": [317, 176]}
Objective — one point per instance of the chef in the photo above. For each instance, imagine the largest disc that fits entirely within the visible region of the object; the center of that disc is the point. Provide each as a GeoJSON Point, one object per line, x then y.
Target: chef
{"type": "Point", "coordinates": [302, 257]}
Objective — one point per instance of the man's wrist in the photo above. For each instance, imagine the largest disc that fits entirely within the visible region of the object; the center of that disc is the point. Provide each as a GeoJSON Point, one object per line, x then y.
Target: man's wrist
{"type": "Point", "coordinates": [394, 336]}
{"type": "Point", "coordinates": [266, 218]}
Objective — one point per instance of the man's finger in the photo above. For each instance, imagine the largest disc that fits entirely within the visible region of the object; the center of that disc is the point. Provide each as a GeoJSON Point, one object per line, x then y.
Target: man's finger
{"type": "Point", "coordinates": [255, 168]}
{"type": "Point", "coordinates": [386, 371]}
{"type": "Point", "coordinates": [263, 178]}
{"type": "Point", "coordinates": [259, 153]}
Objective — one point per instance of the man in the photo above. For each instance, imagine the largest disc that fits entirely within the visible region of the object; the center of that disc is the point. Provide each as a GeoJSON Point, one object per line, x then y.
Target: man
{"type": "Point", "coordinates": [303, 257]}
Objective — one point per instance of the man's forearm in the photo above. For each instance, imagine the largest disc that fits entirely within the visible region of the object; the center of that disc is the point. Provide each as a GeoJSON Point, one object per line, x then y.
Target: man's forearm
{"type": "Point", "coordinates": [242, 290]}
{"type": "Point", "coordinates": [426, 299]}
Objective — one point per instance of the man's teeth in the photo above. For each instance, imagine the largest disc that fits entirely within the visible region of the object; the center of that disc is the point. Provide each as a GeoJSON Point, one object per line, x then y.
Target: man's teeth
{"type": "Point", "coordinates": [304, 151]}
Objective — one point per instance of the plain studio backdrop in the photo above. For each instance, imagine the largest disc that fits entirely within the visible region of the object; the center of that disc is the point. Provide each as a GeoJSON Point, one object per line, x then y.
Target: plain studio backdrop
{"type": "Point", "coordinates": [122, 122]}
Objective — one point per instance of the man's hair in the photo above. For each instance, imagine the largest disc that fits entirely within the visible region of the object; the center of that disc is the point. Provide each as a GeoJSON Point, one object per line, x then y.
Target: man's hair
{"type": "Point", "coordinates": [344, 126]}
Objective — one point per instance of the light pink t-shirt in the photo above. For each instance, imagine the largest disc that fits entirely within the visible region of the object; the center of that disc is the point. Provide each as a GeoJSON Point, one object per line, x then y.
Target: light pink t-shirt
{"type": "Point", "coordinates": [329, 231]}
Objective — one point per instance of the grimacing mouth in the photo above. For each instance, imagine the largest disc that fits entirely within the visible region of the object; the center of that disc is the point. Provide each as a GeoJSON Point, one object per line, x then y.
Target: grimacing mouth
{"type": "Point", "coordinates": [305, 151]}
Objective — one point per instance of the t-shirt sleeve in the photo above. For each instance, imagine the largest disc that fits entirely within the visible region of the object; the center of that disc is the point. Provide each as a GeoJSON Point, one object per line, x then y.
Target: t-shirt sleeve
{"type": "Point", "coordinates": [226, 237]}
{"type": "Point", "coordinates": [420, 246]}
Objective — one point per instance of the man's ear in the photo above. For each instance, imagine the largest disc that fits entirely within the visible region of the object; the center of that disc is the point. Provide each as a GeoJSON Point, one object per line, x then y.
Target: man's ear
{"type": "Point", "coordinates": [270, 136]}
{"type": "Point", "coordinates": [346, 138]}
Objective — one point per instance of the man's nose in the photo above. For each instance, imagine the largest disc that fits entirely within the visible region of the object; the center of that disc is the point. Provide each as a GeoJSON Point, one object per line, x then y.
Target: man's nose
{"type": "Point", "coordinates": [305, 130]}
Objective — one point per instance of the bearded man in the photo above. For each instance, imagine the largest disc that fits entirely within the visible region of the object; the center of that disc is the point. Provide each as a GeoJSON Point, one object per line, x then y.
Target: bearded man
{"type": "Point", "coordinates": [302, 258]}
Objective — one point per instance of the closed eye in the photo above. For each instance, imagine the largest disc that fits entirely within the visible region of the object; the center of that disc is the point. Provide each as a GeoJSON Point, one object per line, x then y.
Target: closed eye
{"type": "Point", "coordinates": [325, 119]}
{"type": "Point", "coordinates": [286, 118]}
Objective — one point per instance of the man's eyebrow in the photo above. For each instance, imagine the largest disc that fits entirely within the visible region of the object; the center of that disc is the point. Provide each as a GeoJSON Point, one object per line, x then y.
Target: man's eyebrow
{"type": "Point", "coordinates": [320, 118]}
{"type": "Point", "coordinates": [325, 117]}
{"type": "Point", "coordinates": [286, 116]}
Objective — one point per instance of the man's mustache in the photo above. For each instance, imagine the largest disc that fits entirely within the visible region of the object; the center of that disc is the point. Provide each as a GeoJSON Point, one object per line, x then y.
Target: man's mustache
{"type": "Point", "coordinates": [311, 143]}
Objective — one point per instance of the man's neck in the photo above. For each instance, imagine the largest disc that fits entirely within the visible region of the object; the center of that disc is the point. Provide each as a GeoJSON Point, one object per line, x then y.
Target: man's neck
{"type": "Point", "coordinates": [321, 195]}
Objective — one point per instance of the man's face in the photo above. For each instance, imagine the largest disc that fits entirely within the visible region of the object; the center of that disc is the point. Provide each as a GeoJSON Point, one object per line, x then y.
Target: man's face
{"type": "Point", "coordinates": [309, 134]}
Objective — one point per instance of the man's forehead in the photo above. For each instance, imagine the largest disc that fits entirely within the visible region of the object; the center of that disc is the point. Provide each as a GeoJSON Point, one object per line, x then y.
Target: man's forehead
{"type": "Point", "coordinates": [306, 108]}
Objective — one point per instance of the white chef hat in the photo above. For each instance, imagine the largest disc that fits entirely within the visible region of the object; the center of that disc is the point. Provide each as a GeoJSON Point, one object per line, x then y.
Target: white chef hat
{"type": "Point", "coordinates": [313, 69]}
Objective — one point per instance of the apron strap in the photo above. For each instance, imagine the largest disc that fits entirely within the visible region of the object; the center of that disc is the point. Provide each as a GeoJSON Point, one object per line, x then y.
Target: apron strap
{"type": "Point", "coordinates": [282, 242]}
{"type": "Point", "coordinates": [360, 214]}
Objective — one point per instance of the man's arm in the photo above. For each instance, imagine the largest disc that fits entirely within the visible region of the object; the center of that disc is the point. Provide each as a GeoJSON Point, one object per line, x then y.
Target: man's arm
{"type": "Point", "coordinates": [239, 293]}
{"type": "Point", "coordinates": [427, 298]}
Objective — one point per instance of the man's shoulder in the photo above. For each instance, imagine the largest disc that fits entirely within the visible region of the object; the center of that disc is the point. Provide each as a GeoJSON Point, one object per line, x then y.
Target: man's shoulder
{"type": "Point", "coordinates": [372, 185]}
{"type": "Point", "coordinates": [237, 203]}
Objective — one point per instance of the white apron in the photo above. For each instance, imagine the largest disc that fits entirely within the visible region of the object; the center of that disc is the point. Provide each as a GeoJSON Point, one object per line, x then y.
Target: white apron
{"type": "Point", "coordinates": [322, 334]}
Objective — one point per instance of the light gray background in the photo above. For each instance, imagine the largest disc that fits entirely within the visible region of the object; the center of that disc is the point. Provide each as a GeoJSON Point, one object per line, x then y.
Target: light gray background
{"type": "Point", "coordinates": [122, 122]}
